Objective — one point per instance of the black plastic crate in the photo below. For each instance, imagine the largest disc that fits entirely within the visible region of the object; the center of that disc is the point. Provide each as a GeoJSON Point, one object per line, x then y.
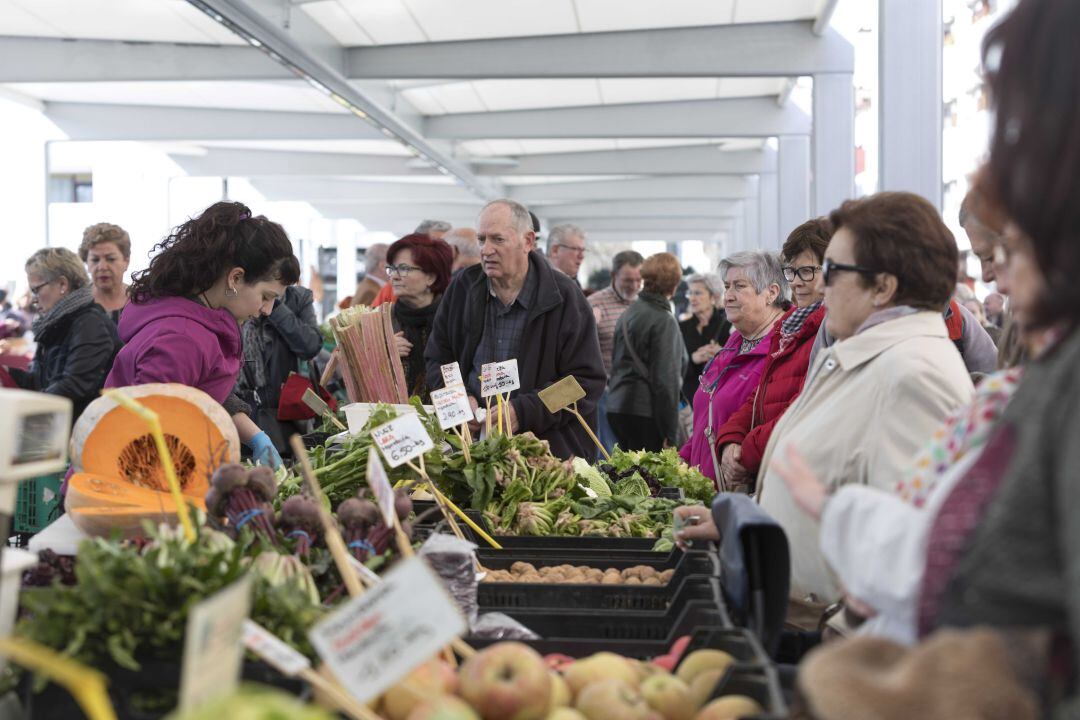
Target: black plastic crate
{"type": "Point", "coordinates": [671, 493]}
{"type": "Point", "coordinates": [565, 596]}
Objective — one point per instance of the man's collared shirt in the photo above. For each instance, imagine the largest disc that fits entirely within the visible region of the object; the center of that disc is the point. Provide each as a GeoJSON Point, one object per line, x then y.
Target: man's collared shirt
{"type": "Point", "coordinates": [608, 307]}
{"type": "Point", "coordinates": [504, 328]}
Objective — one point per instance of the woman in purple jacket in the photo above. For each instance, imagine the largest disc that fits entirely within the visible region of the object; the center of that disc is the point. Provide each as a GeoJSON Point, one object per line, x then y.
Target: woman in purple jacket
{"type": "Point", "coordinates": [755, 296]}
{"type": "Point", "coordinates": [213, 273]}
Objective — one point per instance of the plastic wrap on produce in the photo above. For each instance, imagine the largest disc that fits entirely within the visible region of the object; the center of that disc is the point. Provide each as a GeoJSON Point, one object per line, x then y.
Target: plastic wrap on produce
{"type": "Point", "coordinates": [454, 560]}
{"type": "Point", "coordinates": [497, 626]}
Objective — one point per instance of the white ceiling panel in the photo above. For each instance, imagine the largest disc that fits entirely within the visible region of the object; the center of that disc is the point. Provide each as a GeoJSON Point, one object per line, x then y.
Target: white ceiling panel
{"type": "Point", "coordinates": [531, 147]}
{"type": "Point", "coordinates": [143, 20]}
{"type": "Point", "coordinates": [455, 97]}
{"type": "Point", "coordinates": [337, 21]}
{"type": "Point", "coordinates": [526, 94]}
{"type": "Point", "coordinates": [617, 91]}
{"type": "Point", "coordinates": [353, 147]}
{"type": "Point", "coordinates": [387, 22]}
{"type": "Point", "coordinates": [467, 19]}
{"type": "Point", "coordinates": [742, 144]}
{"type": "Point", "coordinates": [608, 15]}
{"type": "Point", "coordinates": [425, 101]}
{"type": "Point", "coordinates": [487, 148]}
{"type": "Point", "coordinates": [751, 11]}
{"type": "Point", "coordinates": [285, 96]}
{"type": "Point", "coordinates": [639, 143]}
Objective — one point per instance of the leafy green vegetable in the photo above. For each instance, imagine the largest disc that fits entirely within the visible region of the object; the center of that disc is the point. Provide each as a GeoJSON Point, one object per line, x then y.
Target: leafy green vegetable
{"type": "Point", "coordinates": [253, 702]}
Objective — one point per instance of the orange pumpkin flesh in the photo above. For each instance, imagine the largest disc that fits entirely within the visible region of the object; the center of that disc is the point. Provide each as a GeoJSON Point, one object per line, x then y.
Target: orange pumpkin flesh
{"type": "Point", "coordinates": [119, 479]}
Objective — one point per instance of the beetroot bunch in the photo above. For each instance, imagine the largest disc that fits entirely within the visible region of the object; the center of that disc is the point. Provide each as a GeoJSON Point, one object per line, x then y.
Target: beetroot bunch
{"type": "Point", "coordinates": [299, 521]}
{"type": "Point", "coordinates": [365, 532]}
{"type": "Point", "coordinates": [243, 496]}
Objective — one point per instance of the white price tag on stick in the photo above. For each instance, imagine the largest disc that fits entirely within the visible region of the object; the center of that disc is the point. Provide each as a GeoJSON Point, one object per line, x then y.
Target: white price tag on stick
{"type": "Point", "coordinates": [273, 650]}
{"type": "Point", "coordinates": [402, 439]}
{"type": "Point", "coordinates": [451, 374]}
{"type": "Point", "coordinates": [499, 378]}
{"type": "Point", "coordinates": [452, 406]}
{"type": "Point", "coordinates": [213, 647]}
{"type": "Point", "coordinates": [379, 482]}
{"type": "Point", "coordinates": [375, 640]}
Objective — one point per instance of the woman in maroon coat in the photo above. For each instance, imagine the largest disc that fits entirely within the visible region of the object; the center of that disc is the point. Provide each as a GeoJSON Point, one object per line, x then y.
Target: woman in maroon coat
{"type": "Point", "coordinates": [741, 440]}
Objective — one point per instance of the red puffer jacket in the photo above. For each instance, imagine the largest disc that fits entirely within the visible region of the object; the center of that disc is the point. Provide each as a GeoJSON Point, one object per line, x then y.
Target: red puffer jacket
{"type": "Point", "coordinates": [781, 382]}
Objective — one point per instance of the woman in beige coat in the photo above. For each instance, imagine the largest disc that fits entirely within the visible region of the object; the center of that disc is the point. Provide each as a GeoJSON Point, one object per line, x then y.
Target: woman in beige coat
{"type": "Point", "coordinates": [872, 399]}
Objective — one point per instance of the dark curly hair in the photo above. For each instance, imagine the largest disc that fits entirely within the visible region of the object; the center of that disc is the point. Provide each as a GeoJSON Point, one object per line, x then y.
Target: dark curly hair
{"type": "Point", "coordinates": [200, 251]}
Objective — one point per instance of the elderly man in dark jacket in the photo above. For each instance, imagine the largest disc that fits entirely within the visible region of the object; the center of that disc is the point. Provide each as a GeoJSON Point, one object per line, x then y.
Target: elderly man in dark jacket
{"type": "Point", "coordinates": [515, 305]}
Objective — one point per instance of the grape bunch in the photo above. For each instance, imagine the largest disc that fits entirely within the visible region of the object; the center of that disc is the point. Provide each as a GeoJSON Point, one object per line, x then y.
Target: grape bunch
{"type": "Point", "coordinates": [50, 567]}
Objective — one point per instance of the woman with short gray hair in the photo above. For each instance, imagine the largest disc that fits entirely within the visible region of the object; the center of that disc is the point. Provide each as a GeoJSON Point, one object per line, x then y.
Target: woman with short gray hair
{"type": "Point", "coordinates": [707, 328]}
{"type": "Point", "coordinates": [755, 296]}
{"type": "Point", "coordinates": [76, 340]}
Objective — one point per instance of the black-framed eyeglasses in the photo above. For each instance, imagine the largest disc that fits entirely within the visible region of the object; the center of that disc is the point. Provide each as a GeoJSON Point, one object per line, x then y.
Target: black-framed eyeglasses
{"type": "Point", "coordinates": [829, 267]}
{"type": "Point", "coordinates": [37, 288]}
{"type": "Point", "coordinates": [806, 272]}
{"type": "Point", "coordinates": [401, 270]}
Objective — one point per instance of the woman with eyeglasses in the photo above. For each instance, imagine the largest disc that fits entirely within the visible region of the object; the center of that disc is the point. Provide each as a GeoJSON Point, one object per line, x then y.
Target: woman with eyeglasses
{"type": "Point", "coordinates": [76, 340]}
{"type": "Point", "coordinates": [419, 271]}
{"type": "Point", "coordinates": [742, 439]}
{"type": "Point", "coordinates": [755, 297]}
{"type": "Point", "coordinates": [871, 400]}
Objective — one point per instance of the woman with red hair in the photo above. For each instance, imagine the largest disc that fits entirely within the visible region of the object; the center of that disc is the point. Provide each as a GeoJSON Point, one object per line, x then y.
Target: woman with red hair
{"type": "Point", "coordinates": [419, 270]}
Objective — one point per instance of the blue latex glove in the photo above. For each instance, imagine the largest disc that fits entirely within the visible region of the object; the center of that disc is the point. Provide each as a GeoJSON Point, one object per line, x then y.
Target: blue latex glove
{"type": "Point", "coordinates": [263, 451]}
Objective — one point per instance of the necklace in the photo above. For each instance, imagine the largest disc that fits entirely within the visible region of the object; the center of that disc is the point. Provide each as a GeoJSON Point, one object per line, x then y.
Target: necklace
{"type": "Point", "coordinates": [751, 342]}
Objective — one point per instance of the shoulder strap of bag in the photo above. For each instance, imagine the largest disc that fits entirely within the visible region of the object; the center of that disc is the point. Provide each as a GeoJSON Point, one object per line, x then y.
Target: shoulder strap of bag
{"type": "Point", "coordinates": [638, 365]}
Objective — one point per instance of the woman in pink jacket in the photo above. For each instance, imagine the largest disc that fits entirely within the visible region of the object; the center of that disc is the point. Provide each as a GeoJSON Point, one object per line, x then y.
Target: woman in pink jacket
{"type": "Point", "coordinates": [755, 296]}
{"type": "Point", "coordinates": [215, 272]}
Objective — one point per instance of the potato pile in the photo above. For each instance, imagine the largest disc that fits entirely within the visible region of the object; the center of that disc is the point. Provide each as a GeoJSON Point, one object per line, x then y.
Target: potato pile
{"type": "Point", "coordinates": [523, 572]}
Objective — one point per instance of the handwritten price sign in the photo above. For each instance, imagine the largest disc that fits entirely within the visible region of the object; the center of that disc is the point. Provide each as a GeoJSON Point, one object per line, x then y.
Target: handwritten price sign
{"type": "Point", "coordinates": [452, 406]}
{"type": "Point", "coordinates": [374, 640]}
{"type": "Point", "coordinates": [402, 439]}
{"type": "Point", "coordinates": [380, 487]}
{"type": "Point", "coordinates": [499, 378]}
{"type": "Point", "coordinates": [451, 374]}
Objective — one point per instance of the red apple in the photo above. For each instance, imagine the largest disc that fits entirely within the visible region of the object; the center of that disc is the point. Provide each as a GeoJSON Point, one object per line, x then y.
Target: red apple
{"type": "Point", "coordinates": [446, 707]}
{"type": "Point", "coordinates": [427, 681]}
{"type": "Point", "coordinates": [507, 681]}
{"type": "Point", "coordinates": [613, 700]}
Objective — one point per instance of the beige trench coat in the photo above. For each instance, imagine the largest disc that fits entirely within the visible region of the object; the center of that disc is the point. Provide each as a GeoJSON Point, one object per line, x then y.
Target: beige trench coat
{"type": "Point", "coordinates": [869, 403]}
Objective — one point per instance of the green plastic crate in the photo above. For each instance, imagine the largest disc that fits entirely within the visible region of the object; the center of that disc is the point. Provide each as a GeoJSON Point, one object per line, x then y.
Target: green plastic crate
{"type": "Point", "coordinates": [38, 503]}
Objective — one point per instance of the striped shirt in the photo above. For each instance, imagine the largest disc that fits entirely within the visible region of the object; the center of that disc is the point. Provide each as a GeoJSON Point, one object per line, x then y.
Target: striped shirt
{"type": "Point", "coordinates": [607, 307]}
{"type": "Point", "coordinates": [504, 329]}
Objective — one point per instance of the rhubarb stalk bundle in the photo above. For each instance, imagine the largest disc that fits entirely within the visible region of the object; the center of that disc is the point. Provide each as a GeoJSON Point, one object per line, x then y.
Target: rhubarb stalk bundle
{"type": "Point", "coordinates": [370, 364]}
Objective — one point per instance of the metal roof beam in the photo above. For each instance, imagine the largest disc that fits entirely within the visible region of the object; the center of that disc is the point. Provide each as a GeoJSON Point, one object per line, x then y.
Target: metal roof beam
{"type": "Point", "coordinates": [689, 187]}
{"type": "Point", "coordinates": [341, 190]}
{"type": "Point", "coordinates": [748, 50]}
{"type": "Point", "coordinates": [674, 209]}
{"type": "Point", "coordinates": [241, 162]}
{"type": "Point", "coordinates": [740, 117]}
{"type": "Point", "coordinates": [680, 160]}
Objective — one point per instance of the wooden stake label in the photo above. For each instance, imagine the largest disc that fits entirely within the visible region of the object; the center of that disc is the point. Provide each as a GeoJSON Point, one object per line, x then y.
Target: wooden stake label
{"type": "Point", "coordinates": [374, 640]}
{"type": "Point", "coordinates": [402, 439]}
{"type": "Point", "coordinates": [451, 374]}
{"type": "Point", "coordinates": [499, 378]}
{"type": "Point", "coordinates": [213, 648]}
{"type": "Point", "coordinates": [379, 482]}
{"type": "Point", "coordinates": [452, 406]}
{"type": "Point", "coordinates": [562, 394]}
{"type": "Point", "coordinates": [273, 650]}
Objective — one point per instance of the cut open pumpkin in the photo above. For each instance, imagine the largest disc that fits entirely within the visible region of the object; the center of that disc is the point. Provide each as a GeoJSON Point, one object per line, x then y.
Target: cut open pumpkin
{"type": "Point", "coordinates": [119, 480]}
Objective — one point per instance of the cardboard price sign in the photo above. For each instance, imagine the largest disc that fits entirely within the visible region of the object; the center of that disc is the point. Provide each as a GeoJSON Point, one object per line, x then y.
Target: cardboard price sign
{"type": "Point", "coordinates": [451, 374]}
{"type": "Point", "coordinates": [273, 651]}
{"type": "Point", "coordinates": [375, 640]}
{"type": "Point", "coordinates": [213, 648]}
{"type": "Point", "coordinates": [402, 439]}
{"type": "Point", "coordinates": [379, 482]}
{"type": "Point", "coordinates": [562, 394]}
{"type": "Point", "coordinates": [452, 406]}
{"type": "Point", "coordinates": [499, 378]}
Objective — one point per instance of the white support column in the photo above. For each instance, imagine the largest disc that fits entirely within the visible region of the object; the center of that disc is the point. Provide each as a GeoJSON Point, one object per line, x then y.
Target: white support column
{"type": "Point", "coordinates": [910, 106]}
{"type": "Point", "coordinates": [753, 213]}
{"type": "Point", "coordinates": [834, 140]}
{"type": "Point", "coordinates": [793, 182]}
{"type": "Point", "coordinates": [769, 208]}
